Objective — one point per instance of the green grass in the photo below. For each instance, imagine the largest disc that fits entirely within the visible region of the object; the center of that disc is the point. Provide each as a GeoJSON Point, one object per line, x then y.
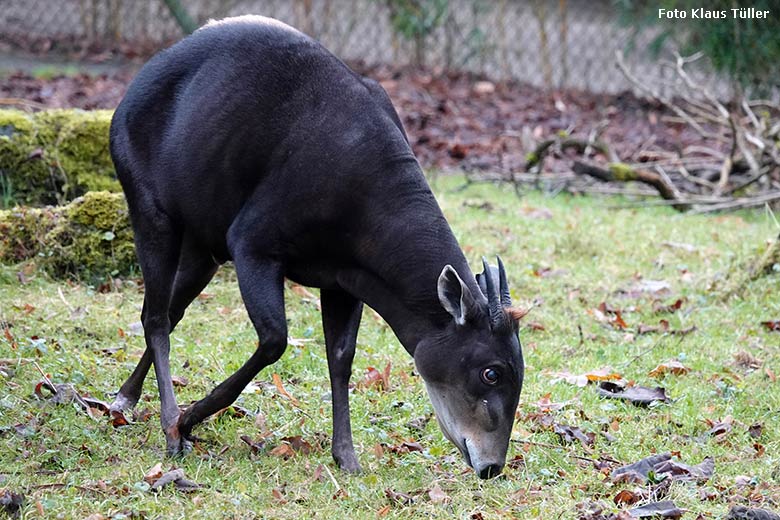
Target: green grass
{"type": "Point", "coordinates": [71, 466]}
{"type": "Point", "coordinates": [47, 72]}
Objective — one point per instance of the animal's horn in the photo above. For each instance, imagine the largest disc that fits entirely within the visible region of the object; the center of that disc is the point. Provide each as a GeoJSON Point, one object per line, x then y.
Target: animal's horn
{"type": "Point", "coordinates": [503, 287]}
{"type": "Point", "coordinates": [494, 304]}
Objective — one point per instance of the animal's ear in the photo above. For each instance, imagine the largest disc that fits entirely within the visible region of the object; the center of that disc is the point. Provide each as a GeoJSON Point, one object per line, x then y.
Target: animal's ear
{"type": "Point", "coordinates": [456, 297]}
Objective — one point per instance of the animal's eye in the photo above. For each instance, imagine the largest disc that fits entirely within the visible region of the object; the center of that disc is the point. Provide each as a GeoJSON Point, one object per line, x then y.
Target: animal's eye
{"type": "Point", "coordinates": [490, 376]}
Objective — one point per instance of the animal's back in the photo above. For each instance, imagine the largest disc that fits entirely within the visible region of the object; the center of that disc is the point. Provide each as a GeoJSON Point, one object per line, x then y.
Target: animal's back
{"type": "Point", "coordinates": [242, 106]}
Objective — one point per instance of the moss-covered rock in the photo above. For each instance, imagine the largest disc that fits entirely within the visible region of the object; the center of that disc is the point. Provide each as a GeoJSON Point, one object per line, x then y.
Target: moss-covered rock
{"type": "Point", "coordinates": [53, 156]}
{"type": "Point", "coordinates": [90, 237]}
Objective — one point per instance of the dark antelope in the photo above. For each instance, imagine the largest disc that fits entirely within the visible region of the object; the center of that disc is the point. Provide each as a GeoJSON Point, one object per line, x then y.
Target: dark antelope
{"type": "Point", "coordinates": [250, 142]}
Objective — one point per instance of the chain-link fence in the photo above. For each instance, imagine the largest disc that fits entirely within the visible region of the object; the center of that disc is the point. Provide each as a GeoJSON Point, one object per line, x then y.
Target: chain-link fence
{"type": "Point", "coordinates": [547, 43]}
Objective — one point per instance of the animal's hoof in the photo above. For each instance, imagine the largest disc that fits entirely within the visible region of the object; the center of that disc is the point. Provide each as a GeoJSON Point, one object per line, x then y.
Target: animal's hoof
{"type": "Point", "coordinates": [178, 441]}
{"type": "Point", "coordinates": [122, 404]}
{"type": "Point", "coordinates": [118, 408]}
{"type": "Point", "coordinates": [177, 447]}
{"type": "Point", "coordinates": [349, 464]}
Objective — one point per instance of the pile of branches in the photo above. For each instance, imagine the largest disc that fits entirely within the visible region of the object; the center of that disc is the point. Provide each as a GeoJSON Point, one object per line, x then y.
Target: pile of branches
{"type": "Point", "coordinates": [736, 166]}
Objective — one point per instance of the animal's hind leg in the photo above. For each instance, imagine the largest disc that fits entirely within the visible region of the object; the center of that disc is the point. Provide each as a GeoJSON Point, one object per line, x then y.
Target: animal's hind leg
{"type": "Point", "coordinates": [158, 247]}
{"type": "Point", "coordinates": [195, 270]}
{"type": "Point", "coordinates": [261, 281]}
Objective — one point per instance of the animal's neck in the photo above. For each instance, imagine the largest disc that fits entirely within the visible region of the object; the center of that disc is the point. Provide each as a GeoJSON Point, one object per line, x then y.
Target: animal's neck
{"type": "Point", "coordinates": [406, 252]}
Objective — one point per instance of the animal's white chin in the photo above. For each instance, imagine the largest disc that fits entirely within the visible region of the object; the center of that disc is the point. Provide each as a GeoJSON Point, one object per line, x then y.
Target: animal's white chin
{"type": "Point", "coordinates": [443, 417]}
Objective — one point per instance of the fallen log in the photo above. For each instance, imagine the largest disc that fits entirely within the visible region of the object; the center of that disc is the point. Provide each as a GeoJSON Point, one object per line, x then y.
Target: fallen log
{"type": "Point", "coordinates": [620, 172]}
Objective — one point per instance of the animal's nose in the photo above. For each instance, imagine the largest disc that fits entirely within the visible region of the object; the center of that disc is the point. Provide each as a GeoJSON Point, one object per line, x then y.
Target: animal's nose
{"type": "Point", "coordinates": [493, 470]}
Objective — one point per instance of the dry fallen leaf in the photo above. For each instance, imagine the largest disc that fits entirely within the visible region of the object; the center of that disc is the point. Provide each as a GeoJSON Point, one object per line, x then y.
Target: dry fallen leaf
{"type": "Point", "coordinates": [179, 381]}
{"type": "Point", "coordinates": [299, 444]}
{"type": "Point", "coordinates": [11, 503]}
{"type": "Point", "coordinates": [175, 476]}
{"type": "Point", "coordinates": [581, 380]}
{"type": "Point", "coordinates": [690, 248]}
{"type": "Point", "coordinates": [118, 419]}
{"type": "Point", "coordinates": [678, 471]}
{"type": "Point", "coordinates": [399, 498]}
{"type": "Point", "coordinates": [626, 497]}
{"type": "Point", "coordinates": [66, 393]}
{"type": "Point", "coordinates": [536, 213]}
{"type": "Point", "coordinates": [405, 447]}
{"type": "Point", "coordinates": [283, 450]}
{"type": "Point", "coordinates": [598, 511]}
{"type": "Point", "coordinates": [375, 378]}
{"type": "Point", "coordinates": [545, 404]}
{"type": "Point", "coordinates": [746, 360]}
{"type": "Point", "coordinates": [548, 272]}
{"type": "Point", "coordinates": [306, 295]}
{"type": "Point", "coordinates": [746, 513]}
{"type": "Point", "coordinates": [618, 321]}
{"type": "Point", "coordinates": [611, 317]}
{"type": "Point", "coordinates": [664, 509]}
{"type": "Point", "coordinates": [672, 367]}
{"type": "Point", "coordinates": [603, 374]}
{"type": "Point", "coordinates": [568, 434]}
{"type": "Point", "coordinates": [660, 308]}
{"type": "Point", "coordinates": [379, 451]}
{"type": "Point", "coordinates": [662, 466]}
{"type": "Point", "coordinates": [577, 380]}
{"type": "Point", "coordinates": [290, 446]}
{"type": "Point", "coordinates": [254, 446]}
{"type": "Point", "coordinates": [637, 472]}
{"type": "Point", "coordinates": [771, 325]}
{"type": "Point", "coordinates": [517, 462]}
{"type": "Point", "coordinates": [646, 287]}
{"type": "Point", "coordinates": [278, 495]}
{"type": "Point", "coordinates": [720, 429]}
{"type": "Point", "coordinates": [153, 474]}
{"type": "Point", "coordinates": [438, 496]}
{"type": "Point", "coordinates": [638, 395]}
{"type": "Point", "coordinates": [280, 388]}
{"type": "Point", "coordinates": [760, 450]}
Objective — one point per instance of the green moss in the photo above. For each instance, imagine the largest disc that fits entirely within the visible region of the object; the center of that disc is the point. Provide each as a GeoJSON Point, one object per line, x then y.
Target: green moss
{"type": "Point", "coordinates": [23, 231]}
{"type": "Point", "coordinates": [27, 176]}
{"type": "Point", "coordinates": [622, 172]}
{"type": "Point", "coordinates": [54, 156]}
{"type": "Point", "coordinates": [14, 121]}
{"type": "Point", "coordinates": [89, 238]}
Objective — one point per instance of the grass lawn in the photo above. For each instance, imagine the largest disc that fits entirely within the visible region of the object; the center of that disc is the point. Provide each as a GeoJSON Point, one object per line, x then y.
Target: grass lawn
{"type": "Point", "coordinates": [569, 255]}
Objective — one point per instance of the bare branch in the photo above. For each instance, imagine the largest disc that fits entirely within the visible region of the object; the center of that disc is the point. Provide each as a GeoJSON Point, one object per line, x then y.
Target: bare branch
{"type": "Point", "coordinates": [657, 95]}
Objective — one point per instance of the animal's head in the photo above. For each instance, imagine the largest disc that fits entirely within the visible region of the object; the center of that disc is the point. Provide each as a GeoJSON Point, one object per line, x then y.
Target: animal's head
{"type": "Point", "coordinates": [473, 370]}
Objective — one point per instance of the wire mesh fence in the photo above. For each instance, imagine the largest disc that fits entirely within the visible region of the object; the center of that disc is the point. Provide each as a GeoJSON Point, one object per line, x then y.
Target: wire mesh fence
{"type": "Point", "coordinates": [547, 43]}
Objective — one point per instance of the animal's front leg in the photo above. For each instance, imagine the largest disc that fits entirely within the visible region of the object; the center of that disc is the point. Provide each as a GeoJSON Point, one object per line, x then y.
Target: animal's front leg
{"type": "Point", "coordinates": [341, 314]}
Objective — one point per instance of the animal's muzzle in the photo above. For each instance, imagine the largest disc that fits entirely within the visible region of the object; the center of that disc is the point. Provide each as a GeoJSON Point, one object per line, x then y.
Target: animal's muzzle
{"type": "Point", "coordinates": [493, 470]}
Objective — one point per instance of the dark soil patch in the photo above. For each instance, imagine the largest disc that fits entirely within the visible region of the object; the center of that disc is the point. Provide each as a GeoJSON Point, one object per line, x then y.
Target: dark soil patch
{"type": "Point", "coordinates": [454, 121]}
